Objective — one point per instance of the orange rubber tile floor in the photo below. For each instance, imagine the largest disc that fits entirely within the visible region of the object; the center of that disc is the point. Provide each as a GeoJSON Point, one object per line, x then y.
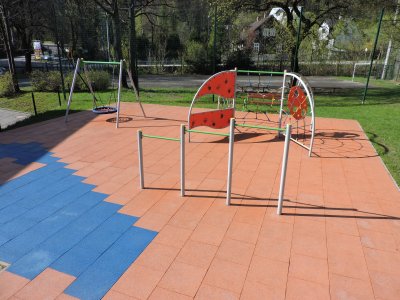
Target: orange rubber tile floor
{"type": "Point", "coordinates": [75, 224]}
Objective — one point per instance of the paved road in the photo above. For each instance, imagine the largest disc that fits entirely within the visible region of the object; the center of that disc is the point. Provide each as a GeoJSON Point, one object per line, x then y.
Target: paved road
{"type": "Point", "coordinates": [193, 81]}
{"type": "Point", "coordinates": [9, 117]}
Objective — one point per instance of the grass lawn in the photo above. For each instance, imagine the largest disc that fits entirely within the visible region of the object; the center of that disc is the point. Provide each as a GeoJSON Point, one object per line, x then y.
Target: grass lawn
{"type": "Point", "coordinates": [379, 116]}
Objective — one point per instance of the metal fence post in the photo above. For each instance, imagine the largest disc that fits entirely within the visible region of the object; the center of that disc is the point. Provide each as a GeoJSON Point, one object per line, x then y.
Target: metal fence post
{"type": "Point", "coordinates": [284, 167]}
{"type": "Point", "coordinates": [230, 161]}
{"type": "Point", "coordinates": [59, 98]}
{"type": "Point", "coordinates": [183, 130]}
{"type": "Point", "coordinates": [34, 104]}
{"type": "Point", "coordinates": [140, 154]}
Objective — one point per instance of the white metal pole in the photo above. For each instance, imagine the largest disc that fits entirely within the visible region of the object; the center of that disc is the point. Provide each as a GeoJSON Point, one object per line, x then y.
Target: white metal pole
{"type": "Point", "coordinates": [282, 97]}
{"type": "Point", "coordinates": [72, 89]}
{"type": "Point", "coordinates": [183, 130]}
{"type": "Point", "coordinates": [230, 161]}
{"type": "Point", "coordinates": [140, 155]}
{"type": "Point", "coordinates": [354, 72]}
{"type": "Point", "coordinates": [284, 167]}
{"type": "Point", "coordinates": [119, 91]}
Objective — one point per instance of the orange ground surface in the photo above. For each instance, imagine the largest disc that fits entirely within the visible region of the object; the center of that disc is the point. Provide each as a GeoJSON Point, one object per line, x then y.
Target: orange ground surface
{"type": "Point", "coordinates": [339, 236]}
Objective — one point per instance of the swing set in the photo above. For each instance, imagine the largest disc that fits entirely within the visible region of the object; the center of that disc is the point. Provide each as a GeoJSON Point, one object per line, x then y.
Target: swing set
{"type": "Point", "coordinates": [99, 107]}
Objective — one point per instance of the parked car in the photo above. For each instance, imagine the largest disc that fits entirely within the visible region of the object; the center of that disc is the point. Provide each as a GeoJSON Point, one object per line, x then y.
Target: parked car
{"type": "Point", "coordinates": [3, 70]}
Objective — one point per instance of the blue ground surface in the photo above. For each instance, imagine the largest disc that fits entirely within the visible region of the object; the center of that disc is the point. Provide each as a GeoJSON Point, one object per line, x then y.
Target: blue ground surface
{"type": "Point", "coordinates": [50, 218]}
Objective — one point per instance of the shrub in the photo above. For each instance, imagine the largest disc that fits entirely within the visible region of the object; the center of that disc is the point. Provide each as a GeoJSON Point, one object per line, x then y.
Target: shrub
{"type": "Point", "coordinates": [45, 81]}
{"type": "Point", "coordinates": [196, 57]}
{"type": "Point", "coordinates": [6, 85]}
{"type": "Point", "coordinates": [100, 80]}
{"type": "Point", "coordinates": [53, 81]}
{"type": "Point", "coordinates": [79, 84]}
{"type": "Point", "coordinates": [240, 59]}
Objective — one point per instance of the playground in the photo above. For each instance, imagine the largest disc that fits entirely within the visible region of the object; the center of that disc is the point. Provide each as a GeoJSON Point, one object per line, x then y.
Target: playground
{"type": "Point", "coordinates": [75, 222]}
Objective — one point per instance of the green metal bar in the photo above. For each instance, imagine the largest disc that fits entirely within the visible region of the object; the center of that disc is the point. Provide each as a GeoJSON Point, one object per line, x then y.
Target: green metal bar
{"type": "Point", "coordinates": [160, 137]}
{"type": "Point", "coordinates": [259, 72]}
{"type": "Point", "coordinates": [372, 57]}
{"type": "Point", "coordinates": [100, 62]}
{"type": "Point", "coordinates": [207, 132]}
{"type": "Point", "coordinates": [260, 127]}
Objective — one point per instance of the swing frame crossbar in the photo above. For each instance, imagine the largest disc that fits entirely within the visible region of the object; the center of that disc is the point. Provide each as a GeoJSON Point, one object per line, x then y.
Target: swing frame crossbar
{"type": "Point", "coordinates": [93, 62]}
{"type": "Point", "coordinates": [120, 63]}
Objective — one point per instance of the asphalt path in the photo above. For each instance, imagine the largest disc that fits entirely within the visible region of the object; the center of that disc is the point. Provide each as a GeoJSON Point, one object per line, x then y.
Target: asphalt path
{"type": "Point", "coordinates": [194, 81]}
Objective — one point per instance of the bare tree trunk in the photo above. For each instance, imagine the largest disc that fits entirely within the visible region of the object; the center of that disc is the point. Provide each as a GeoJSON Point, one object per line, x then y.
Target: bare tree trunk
{"type": "Point", "coordinates": [6, 35]}
{"type": "Point", "coordinates": [133, 45]}
{"type": "Point", "coordinates": [74, 39]}
{"type": "Point", "coordinates": [117, 38]}
{"type": "Point", "coordinates": [26, 44]}
{"type": "Point", "coordinates": [294, 63]}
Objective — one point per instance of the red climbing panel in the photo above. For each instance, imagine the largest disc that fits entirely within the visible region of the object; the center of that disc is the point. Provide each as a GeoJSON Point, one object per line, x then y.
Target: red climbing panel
{"type": "Point", "coordinates": [223, 84]}
{"type": "Point", "coordinates": [297, 103]}
{"type": "Point", "coordinates": [215, 119]}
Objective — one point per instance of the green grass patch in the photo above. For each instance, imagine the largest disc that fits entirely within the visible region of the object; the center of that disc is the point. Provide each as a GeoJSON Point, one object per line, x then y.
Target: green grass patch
{"type": "Point", "coordinates": [379, 116]}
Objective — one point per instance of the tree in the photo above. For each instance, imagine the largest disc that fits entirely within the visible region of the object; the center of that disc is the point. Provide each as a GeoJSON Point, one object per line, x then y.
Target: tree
{"type": "Point", "coordinates": [314, 13]}
{"type": "Point", "coordinates": [24, 29]}
{"type": "Point", "coordinates": [5, 33]}
{"type": "Point", "coordinates": [112, 8]}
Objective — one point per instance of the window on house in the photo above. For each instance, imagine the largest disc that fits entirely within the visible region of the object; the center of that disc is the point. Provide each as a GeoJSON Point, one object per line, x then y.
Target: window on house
{"type": "Point", "coordinates": [269, 32]}
{"type": "Point", "coordinates": [256, 47]}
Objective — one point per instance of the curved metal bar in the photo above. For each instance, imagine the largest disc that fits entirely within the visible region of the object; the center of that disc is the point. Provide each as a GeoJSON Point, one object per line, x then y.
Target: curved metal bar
{"type": "Point", "coordinates": [200, 88]}
{"type": "Point", "coordinates": [310, 97]}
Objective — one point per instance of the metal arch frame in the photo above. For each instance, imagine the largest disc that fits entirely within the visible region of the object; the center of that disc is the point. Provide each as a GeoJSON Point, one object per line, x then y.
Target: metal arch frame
{"type": "Point", "coordinates": [310, 97]}
{"type": "Point", "coordinates": [204, 83]}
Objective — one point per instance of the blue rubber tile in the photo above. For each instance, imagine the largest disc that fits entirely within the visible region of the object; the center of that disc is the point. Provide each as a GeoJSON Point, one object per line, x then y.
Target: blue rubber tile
{"type": "Point", "coordinates": [14, 228]}
{"type": "Point", "coordinates": [32, 217]}
{"type": "Point", "coordinates": [53, 200]}
{"type": "Point", "coordinates": [38, 174]}
{"type": "Point", "coordinates": [8, 199]}
{"type": "Point", "coordinates": [3, 239]}
{"type": "Point", "coordinates": [47, 159]}
{"type": "Point", "coordinates": [41, 184]}
{"type": "Point", "coordinates": [23, 153]}
{"type": "Point", "coordinates": [37, 260]}
{"type": "Point", "coordinates": [72, 191]}
{"type": "Point", "coordinates": [104, 272]}
{"type": "Point", "coordinates": [80, 257]}
{"type": "Point", "coordinates": [10, 212]}
{"type": "Point", "coordinates": [22, 244]}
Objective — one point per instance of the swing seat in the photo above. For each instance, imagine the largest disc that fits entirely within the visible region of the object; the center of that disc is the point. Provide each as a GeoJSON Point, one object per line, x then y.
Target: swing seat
{"type": "Point", "coordinates": [100, 110]}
